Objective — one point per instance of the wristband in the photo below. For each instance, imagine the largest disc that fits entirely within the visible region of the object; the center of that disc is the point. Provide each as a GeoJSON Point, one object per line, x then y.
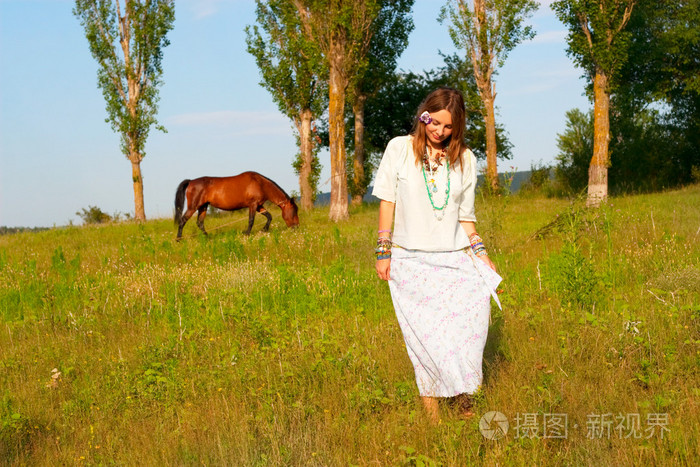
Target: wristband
{"type": "Point", "coordinates": [383, 249]}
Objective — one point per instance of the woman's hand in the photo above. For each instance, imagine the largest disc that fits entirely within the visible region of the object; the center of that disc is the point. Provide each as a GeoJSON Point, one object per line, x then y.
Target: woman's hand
{"type": "Point", "coordinates": [488, 262]}
{"type": "Point", "coordinates": [383, 266]}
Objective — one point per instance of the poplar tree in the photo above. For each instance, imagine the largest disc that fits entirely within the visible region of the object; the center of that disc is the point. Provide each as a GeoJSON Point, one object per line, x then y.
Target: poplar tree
{"type": "Point", "coordinates": [127, 43]}
{"type": "Point", "coordinates": [488, 30]}
{"type": "Point", "coordinates": [598, 43]}
{"type": "Point", "coordinates": [389, 40]}
{"type": "Point", "coordinates": [292, 71]}
{"type": "Point", "coordinates": [343, 30]}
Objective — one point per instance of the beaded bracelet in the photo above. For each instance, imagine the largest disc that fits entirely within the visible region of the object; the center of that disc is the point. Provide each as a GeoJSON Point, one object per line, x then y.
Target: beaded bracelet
{"type": "Point", "coordinates": [480, 252]}
{"type": "Point", "coordinates": [383, 250]}
{"type": "Point", "coordinates": [477, 245]}
{"type": "Point", "coordinates": [383, 255]}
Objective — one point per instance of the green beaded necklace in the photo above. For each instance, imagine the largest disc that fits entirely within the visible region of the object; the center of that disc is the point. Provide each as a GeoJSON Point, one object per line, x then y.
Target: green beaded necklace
{"type": "Point", "coordinates": [427, 187]}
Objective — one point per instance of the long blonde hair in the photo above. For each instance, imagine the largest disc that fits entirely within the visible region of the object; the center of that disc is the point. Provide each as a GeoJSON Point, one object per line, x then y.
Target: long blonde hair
{"type": "Point", "coordinates": [449, 99]}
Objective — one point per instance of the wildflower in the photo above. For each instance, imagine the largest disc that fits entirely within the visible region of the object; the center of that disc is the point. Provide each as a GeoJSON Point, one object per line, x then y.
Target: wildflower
{"type": "Point", "coordinates": [55, 376]}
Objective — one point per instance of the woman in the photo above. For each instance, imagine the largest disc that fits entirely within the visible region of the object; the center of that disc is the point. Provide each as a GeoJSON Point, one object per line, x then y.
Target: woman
{"type": "Point", "coordinates": [440, 276]}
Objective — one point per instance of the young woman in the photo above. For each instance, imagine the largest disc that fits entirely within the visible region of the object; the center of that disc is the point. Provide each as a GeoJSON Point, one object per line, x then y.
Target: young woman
{"type": "Point", "coordinates": [440, 276]}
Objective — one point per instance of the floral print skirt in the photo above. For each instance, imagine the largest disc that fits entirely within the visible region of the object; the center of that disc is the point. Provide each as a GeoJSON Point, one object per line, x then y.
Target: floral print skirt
{"type": "Point", "coordinates": [442, 302]}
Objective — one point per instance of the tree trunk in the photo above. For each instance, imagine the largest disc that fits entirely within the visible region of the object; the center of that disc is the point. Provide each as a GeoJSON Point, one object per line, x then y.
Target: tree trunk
{"type": "Point", "coordinates": [139, 211]}
{"type": "Point", "coordinates": [491, 146]}
{"type": "Point", "coordinates": [358, 165]}
{"type": "Point", "coordinates": [336, 127]}
{"type": "Point", "coordinates": [482, 62]}
{"type": "Point", "coordinates": [307, 155]}
{"type": "Point", "coordinates": [598, 170]}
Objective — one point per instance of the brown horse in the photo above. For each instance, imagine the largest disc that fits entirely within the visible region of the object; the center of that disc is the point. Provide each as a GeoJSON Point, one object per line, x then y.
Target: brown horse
{"type": "Point", "coordinates": [247, 190]}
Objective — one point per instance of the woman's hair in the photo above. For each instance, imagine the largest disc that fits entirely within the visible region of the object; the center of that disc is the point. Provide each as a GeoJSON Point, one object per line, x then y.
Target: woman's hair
{"type": "Point", "coordinates": [449, 99]}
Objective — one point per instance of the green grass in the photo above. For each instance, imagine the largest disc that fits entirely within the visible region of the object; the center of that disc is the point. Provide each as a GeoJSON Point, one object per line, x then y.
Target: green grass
{"type": "Point", "coordinates": [282, 348]}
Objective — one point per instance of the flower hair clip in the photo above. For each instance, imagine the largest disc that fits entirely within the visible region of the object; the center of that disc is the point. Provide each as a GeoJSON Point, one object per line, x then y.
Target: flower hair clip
{"type": "Point", "coordinates": [425, 117]}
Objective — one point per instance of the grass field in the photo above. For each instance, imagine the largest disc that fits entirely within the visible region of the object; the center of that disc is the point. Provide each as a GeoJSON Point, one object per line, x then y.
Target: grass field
{"type": "Point", "coordinates": [120, 346]}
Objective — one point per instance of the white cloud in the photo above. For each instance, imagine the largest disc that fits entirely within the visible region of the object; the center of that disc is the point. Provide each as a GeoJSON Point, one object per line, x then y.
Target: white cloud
{"type": "Point", "coordinates": [549, 37]}
{"type": "Point", "coordinates": [235, 122]}
{"type": "Point", "coordinates": [204, 8]}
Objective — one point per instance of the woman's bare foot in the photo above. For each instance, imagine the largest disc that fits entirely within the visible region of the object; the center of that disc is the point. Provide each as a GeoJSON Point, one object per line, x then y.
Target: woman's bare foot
{"type": "Point", "coordinates": [431, 408]}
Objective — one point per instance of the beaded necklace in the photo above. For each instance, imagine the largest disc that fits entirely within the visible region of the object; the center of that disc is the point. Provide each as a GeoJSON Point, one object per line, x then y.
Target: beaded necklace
{"type": "Point", "coordinates": [431, 186]}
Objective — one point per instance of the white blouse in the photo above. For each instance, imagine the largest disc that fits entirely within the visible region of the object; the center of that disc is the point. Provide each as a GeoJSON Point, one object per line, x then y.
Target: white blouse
{"type": "Point", "coordinates": [416, 227]}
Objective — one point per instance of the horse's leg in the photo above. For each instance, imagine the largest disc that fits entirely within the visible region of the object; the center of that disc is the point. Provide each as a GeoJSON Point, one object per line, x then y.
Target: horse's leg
{"type": "Point", "coordinates": [267, 214]}
{"type": "Point", "coordinates": [200, 217]}
{"type": "Point", "coordinates": [251, 218]}
{"type": "Point", "coordinates": [185, 217]}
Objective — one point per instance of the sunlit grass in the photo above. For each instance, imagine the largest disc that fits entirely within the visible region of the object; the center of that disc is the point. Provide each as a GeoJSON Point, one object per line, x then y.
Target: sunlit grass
{"type": "Point", "coordinates": [282, 348]}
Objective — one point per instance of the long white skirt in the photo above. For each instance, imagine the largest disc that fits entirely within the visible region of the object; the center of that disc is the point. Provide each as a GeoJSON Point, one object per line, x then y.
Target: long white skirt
{"type": "Point", "coordinates": [442, 302]}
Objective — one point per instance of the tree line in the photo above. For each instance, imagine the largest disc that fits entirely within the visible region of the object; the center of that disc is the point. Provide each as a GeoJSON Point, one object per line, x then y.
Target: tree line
{"type": "Point", "coordinates": [640, 60]}
{"type": "Point", "coordinates": [330, 66]}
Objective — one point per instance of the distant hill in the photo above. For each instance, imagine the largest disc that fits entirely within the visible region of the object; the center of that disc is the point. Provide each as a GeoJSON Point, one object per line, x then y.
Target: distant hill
{"type": "Point", "coordinates": [519, 178]}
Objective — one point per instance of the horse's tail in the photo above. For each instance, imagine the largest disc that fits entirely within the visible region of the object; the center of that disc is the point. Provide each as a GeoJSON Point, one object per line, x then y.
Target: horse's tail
{"type": "Point", "coordinates": [180, 200]}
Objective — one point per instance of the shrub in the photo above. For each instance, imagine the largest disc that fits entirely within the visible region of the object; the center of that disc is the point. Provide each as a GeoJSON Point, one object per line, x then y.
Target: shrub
{"type": "Point", "coordinates": [540, 180]}
{"type": "Point", "coordinates": [94, 215]}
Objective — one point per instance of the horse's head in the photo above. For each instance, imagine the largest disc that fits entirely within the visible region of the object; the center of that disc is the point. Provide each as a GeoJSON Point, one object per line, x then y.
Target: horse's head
{"type": "Point", "coordinates": [290, 212]}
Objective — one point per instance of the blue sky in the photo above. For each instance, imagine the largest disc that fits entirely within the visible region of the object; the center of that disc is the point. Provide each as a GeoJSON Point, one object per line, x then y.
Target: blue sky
{"type": "Point", "coordinates": [58, 155]}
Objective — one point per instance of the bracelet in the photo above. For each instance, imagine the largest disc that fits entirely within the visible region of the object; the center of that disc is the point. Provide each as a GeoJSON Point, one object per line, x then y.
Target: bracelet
{"type": "Point", "coordinates": [383, 243]}
{"type": "Point", "coordinates": [474, 238]}
{"type": "Point", "coordinates": [386, 254]}
{"type": "Point", "coordinates": [383, 250]}
{"type": "Point", "coordinates": [384, 231]}
{"type": "Point", "coordinates": [479, 251]}
{"type": "Point", "coordinates": [477, 245]}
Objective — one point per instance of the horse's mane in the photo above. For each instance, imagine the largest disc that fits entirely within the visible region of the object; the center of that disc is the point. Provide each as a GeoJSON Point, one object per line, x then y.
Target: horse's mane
{"type": "Point", "coordinates": [277, 186]}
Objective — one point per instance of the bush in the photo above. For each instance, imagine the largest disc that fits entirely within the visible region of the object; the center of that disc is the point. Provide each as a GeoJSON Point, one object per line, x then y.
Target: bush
{"type": "Point", "coordinates": [571, 275]}
{"type": "Point", "coordinates": [540, 180]}
{"type": "Point", "coordinates": [94, 215]}
{"type": "Point", "coordinates": [570, 272]}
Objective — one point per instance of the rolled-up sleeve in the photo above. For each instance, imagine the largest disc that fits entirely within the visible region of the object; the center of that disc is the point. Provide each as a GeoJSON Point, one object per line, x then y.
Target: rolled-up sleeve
{"type": "Point", "coordinates": [466, 207]}
{"type": "Point", "coordinates": [385, 180]}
